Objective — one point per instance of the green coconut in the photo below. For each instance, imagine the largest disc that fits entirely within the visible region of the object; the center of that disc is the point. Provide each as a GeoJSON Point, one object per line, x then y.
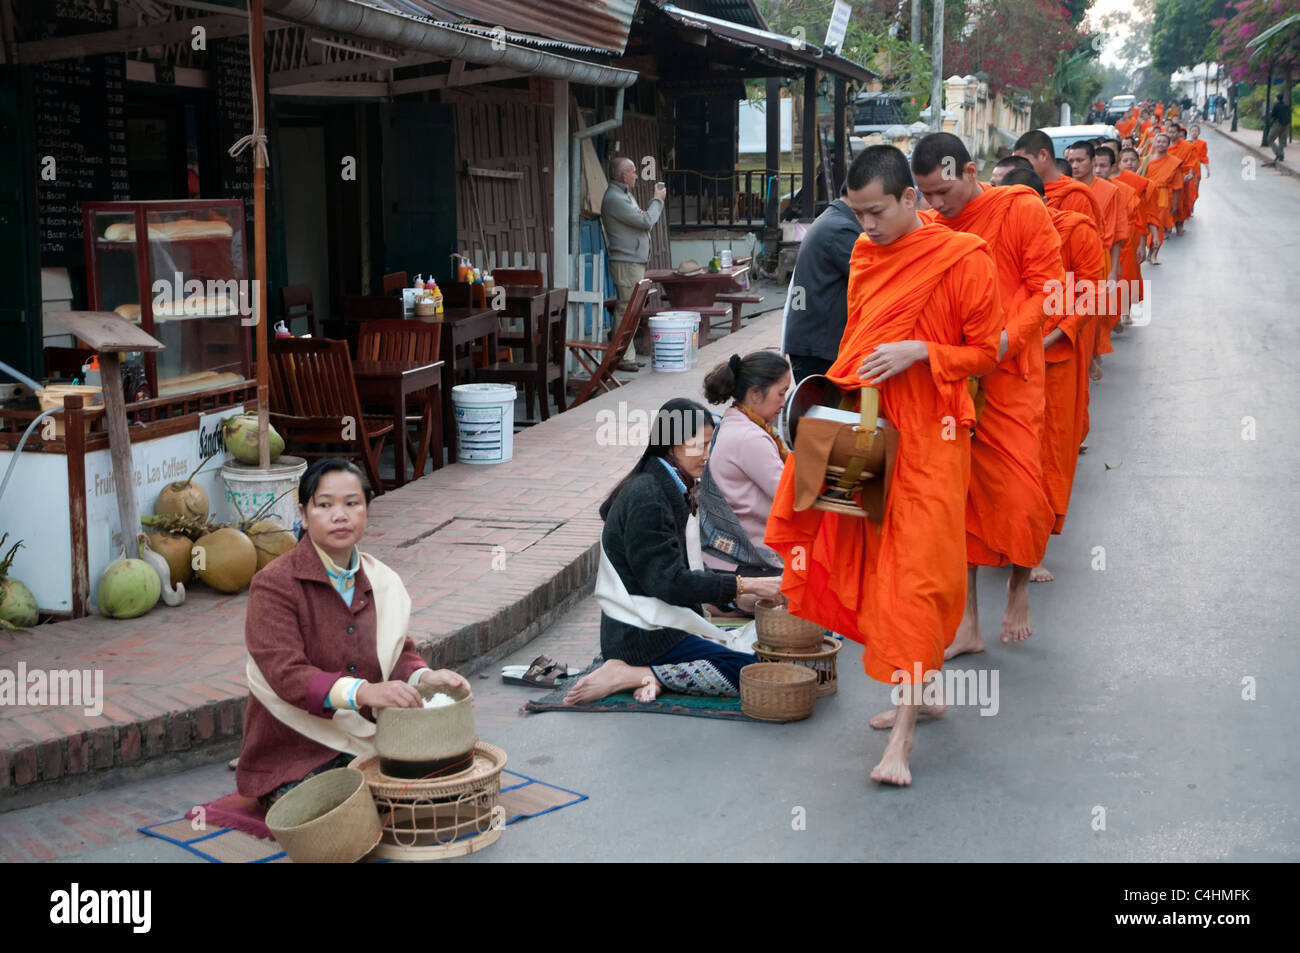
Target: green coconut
{"type": "Point", "coordinates": [270, 539]}
{"type": "Point", "coordinates": [17, 604]}
{"type": "Point", "coordinates": [127, 589]}
{"type": "Point", "coordinates": [185, 498]}
{"type": "Point", "coordinates": [174, 548]}
{"type": "Point", "coordinates": [226, 560]}
{"type": "Point", "coordinates": [240, 433]}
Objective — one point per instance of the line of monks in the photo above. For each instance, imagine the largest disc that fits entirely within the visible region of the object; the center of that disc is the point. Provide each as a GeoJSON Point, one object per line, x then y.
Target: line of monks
{"type": "Point", "coordinates": [1020, 284]}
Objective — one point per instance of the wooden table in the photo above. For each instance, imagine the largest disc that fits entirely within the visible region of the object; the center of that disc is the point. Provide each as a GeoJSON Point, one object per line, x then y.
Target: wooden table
{"type": "Point", "coordinates": [392, 382]}
{"type": "Point", "coordinates": [460, 326]}
{"type": "Point", "coordinates": [687, 292]}
{"type": "Point", "coordinates": [530, 303]}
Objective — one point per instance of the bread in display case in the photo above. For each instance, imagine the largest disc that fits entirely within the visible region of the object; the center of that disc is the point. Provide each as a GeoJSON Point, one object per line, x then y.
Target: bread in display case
{"type": "Point", "coordinates": [185, 282]}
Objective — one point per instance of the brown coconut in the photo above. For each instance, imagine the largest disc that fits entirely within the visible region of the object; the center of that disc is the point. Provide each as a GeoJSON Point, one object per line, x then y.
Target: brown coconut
{"type": "Point", "coordinates": [175, 548]}
{"type": "Point", "coordinates": [183, 498]}
{"type": "Point", "coordinates": [229, 560]}
{"type": "Point", "coordinates": [271, 540]}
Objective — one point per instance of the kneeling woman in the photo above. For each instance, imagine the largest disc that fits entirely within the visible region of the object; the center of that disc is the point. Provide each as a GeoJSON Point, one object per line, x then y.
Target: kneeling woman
{"type": "Point", "coordinates": [650, 596]}
{"type": "Point", "coordinates": [327, 643]}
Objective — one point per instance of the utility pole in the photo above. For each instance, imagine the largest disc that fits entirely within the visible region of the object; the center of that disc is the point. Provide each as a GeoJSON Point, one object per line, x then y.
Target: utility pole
{"type": "Point", "coordinates": [916, 21]}
{"type": "Point", "coordinates": [936, 76]}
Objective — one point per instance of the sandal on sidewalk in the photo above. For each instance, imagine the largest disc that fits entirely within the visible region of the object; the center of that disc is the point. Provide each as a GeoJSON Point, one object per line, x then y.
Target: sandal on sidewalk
{"type": "Point", "coordinates": [542, 673]}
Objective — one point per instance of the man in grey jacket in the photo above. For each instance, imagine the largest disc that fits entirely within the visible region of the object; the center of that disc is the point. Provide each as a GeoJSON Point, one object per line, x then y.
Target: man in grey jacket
{"type": "Point", "coordinates": [817, 309]}
{"type": "Point", "coordinates": [627, 237]}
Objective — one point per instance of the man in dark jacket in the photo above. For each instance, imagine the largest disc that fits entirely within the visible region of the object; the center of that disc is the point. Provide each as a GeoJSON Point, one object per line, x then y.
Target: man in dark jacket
{"type": "Point", "coordinates": [817, 309]}
{"type": "Point", "coordinates": [1279, 125]}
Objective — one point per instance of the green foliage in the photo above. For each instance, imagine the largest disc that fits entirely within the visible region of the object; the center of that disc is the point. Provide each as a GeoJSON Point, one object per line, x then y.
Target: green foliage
{"type": "Point", "coordinates": [1181, 32]}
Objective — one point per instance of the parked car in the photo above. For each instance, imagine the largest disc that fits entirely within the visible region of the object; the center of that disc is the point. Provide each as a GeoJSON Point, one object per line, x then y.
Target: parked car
{"type": "Point", "coordinates": [1119, 107]}
{"type": "Point", "coordinates": [876, 112]}
{"type": "Point", "coordinates": [1064, 136]}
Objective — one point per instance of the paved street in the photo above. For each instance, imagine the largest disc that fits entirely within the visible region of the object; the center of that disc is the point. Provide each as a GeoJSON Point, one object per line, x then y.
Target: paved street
{"type": "Point", "coordinates": [1125, 706]}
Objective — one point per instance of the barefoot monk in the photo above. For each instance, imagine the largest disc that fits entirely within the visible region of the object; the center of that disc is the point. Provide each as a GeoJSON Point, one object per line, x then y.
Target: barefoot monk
{"type": "Point", "coordinates": [923, 318]}
{"type": "Point", "coordinates": [1008, 514]}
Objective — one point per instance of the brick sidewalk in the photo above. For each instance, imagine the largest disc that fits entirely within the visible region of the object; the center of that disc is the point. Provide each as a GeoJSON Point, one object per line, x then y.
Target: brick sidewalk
{"type": "Point", "coordinates": [1249, 139]}
{"type": "Point", "coordinates": [490, 555]}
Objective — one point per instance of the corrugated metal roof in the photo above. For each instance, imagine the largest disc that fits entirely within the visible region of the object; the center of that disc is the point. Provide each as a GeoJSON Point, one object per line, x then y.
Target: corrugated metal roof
{"type": "Point", "coordinates": [786, 47]}
{"type": "Point", "coordinates": [600, 24]}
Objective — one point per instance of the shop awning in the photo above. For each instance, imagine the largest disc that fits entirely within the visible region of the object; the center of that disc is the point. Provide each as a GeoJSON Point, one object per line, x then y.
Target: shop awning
{"type": "Point", "coordinates": [787, 48]}
{"type": "Point", "coordinates": [394, 22]}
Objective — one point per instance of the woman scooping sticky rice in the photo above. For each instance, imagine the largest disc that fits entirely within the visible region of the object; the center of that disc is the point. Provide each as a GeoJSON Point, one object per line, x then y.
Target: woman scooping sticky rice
{"type": "Point", "coordinates": [327, 643]}
{"type": "Point", "coordinates": [653, 634]}
{"type": "Point", "coordinates": [745, 464]}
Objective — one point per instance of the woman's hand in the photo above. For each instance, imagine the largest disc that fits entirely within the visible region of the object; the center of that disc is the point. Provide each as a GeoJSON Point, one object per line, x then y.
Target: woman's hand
{"type": "Point", "coordinates": [388, 695]}
{"type": "Point", "coordinates": [445, 678]}
{"type": "Point", "coordinates": [763, 587]}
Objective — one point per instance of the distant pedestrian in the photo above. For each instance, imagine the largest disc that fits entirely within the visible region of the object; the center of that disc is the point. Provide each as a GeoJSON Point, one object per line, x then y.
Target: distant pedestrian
{"type": "Point", "coordinates": [1279, 127]}
{"type": "Point", "coordinates": [627, 237]}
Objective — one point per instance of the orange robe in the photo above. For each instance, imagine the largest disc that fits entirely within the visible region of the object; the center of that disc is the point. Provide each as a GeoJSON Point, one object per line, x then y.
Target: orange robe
{"type": "Point", "coordinates": [1190, 162]}
{"type": "Point", "coordinates": [1073, 197]}
{"type": "Point", "coordinates": [1202, 158]}
{"type": "Point", "coordinates": [1114, 231]}
{"type": "Point", "coordinates": [1066, 381]}
{"type": "Point", "coordinates": [1165, 175]}
{"type": "Point", "coordinates": [1130, 268]}
{"type": "Point", "coordinates": [1126, 125]}
{"type": "Point", "coordinates": [900, 587]}
{"type": "Point", "coordinates": [1008, 515]}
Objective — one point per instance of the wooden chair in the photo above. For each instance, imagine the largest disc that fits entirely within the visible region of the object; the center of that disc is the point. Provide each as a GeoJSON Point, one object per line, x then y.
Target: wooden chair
{"type": "Point", "coordinates": [296, 302]}
{"type": "Point", "coordinates": [462, 294]}
{"type": "Point", "coordinates": [531, 277]}
{"type": "Point", "coordinates": [394, 340]}
{"type": "Point", "coordinates": [600, 360]}
{"type": "Point", "coordinates": [352, 310]}
{"type": "Point", "coordinates": [394, 282]}
{"type": "Point", "coordinates": [542, 368]}
{"type": "Point", "coordinates": [314, 404]}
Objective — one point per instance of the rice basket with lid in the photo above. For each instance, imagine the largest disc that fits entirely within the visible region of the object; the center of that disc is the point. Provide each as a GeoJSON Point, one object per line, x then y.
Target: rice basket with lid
{"type": "Point", "coordinates": [427, 742]}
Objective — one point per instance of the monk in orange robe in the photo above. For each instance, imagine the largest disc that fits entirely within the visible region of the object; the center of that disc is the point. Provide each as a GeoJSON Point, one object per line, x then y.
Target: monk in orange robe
{"type": "Point", "coordinates": [1129, 163]}
{"type": "Point", "coordinates": [1062, 191]}
{"type": "Point", "coordinates": [1165, 173]}
{"type": "Point", "coordinates": [923, 318]}
{"type": "Point", "coordinates": [1187, 156]}
{"type": "Point", "coordinates": [1114, 233]}
{"type": "Point", "coordinates": [1202, 159]}
{"type": "Point", "coordinates": [1106, 166]}
{"type": "Point", "coordinates": [1126, 125]}
{"type": "Point", "coordinates": [1065, 342]}
{"type": "Point", "coordinates": [1008, 514]}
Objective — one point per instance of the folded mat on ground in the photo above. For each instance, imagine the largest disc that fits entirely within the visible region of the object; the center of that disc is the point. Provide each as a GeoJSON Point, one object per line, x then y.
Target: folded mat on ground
{"type": "Point", "coordinates": [232, 829]}
{"type": "Point", "coordinates": [697, 706]}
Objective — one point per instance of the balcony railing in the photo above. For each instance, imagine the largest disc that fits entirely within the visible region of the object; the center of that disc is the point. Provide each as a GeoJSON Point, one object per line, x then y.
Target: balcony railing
{"type": "Point", "coordinates": [727, 198]}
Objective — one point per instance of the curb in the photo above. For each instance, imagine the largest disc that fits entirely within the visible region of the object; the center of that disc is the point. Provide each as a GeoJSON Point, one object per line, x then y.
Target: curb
{"type": "Point", "coordinates": [1258, 151]}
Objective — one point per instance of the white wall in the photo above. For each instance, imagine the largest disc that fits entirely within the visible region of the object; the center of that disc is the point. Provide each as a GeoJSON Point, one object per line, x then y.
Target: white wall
{"type": "Point", "coordinates": [753, 126]}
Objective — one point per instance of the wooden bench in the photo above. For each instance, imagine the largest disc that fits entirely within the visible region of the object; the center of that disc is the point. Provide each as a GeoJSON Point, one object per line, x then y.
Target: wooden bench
{"type": "Point", "coordinates": [738, 299]}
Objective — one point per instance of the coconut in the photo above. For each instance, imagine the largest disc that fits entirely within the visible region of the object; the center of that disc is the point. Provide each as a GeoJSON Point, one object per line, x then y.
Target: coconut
{"type": "Point", "coordinates": [228, 560]}
{"type": "Point", "coordinates": [176, 550]}
{"type": "Point", "coordinates": [240, 433]}
{"type": "Point", "coordinates": [128, 588]}
{"type": "Point", "coordinates": [185, 498]}
{"type": "Point", "coordinates": [17, 604]}
{"type": "Point", "coordinates": [271, 540]}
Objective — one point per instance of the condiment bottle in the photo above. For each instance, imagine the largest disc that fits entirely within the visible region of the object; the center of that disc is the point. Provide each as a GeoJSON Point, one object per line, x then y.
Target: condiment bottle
{"type": "Point", "coordinates": [419, 285]}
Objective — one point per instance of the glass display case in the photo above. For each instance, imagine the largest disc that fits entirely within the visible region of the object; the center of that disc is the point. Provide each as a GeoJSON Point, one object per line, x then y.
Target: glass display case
{"type": "Point", "coordinates": [179, 269]}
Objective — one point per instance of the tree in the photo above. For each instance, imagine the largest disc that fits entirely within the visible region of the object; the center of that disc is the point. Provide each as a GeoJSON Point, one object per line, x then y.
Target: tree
{"type": "Point", "coordinates": [1014, 42]}
{"type": "Point", "coordinates": [1181, 32]}
{"type": "Point", "coordinates": [1243, 23]}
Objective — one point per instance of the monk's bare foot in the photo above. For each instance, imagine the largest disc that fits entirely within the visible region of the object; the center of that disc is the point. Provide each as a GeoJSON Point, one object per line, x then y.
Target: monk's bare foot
{"type": "Point", "coordinates": [649, 690]}
{"type": "Point", "coordinates": [886, 719]}
{"type": "Point", "coordinates": [1094, 369]}
{"type": "Point", "coordinates": [1040, 573]}
{"type": "Point", "coordinates": [968, 640]}
{"type": "Point", "coordinates": [893, 766]}
{"type": "Point", "coordinates": [1016, 626]}
{"type": "Point", "coordinates": [613, 676]}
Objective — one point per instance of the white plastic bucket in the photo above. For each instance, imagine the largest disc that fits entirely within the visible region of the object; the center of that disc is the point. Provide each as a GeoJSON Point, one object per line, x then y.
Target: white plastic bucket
{"type": "Point", "coordinates": [485, 422]}
{"type": "Point", "coordinates": [676, 340]}
{"type": "Point", "coordinates": [250, 488]}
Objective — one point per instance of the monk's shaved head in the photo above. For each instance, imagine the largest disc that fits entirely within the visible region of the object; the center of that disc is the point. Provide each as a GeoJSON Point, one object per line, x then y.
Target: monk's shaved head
{"type": "Point", "coordinates": [945, 173]}
{"type": "Point", "coordinates": [1025, 177]}
{"type": "Point", "coordinates": [1033, 142]}
{"type": "Point", "coordinates": [1084, 146]}
{"type": "Point", "coordinates": [1063, 168]}
{"type": "Point", "coordinates": [883, 164]}
{"type": "Point", "coordinates": [939, 151]}
{"type": "Point", "coordinates": [1006, 165]}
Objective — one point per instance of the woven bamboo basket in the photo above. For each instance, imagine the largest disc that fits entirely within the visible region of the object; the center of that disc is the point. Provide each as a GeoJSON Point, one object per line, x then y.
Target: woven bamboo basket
{"type": "Point", "coordinates": [328, 819]}
{"type": "Point", "coordinates": [775, 691]}
{"type": "Point", "coordinates": [783, 632]}
{"type": "Point", "coordinates": [822, 662]}
{"type": "Point", "coordinates": [439, 817]}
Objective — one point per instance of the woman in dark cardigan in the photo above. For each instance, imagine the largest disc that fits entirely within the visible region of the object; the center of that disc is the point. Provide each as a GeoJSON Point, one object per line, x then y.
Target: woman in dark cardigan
{"type": "Point", "coordinates": [644, 554]}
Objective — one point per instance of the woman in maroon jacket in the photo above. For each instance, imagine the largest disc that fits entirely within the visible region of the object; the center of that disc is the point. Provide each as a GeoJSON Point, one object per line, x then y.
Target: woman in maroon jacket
{"type": "Point", "coordinates": [327, 643]}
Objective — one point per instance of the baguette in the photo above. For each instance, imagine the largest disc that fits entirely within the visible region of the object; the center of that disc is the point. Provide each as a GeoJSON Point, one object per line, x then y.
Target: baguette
{"type": "Point", "coordinates": [128, 312]}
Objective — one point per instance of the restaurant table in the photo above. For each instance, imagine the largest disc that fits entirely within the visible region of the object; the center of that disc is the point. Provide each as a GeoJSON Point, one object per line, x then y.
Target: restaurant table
{"type": "Point", "coordinates": [530, 303]}
{"type": "Point", "coordinates": [460, 326]}
{"type": "Point", "coordinates": [699, 290]}
{"type": "Point", "coordinates": [392, 382]}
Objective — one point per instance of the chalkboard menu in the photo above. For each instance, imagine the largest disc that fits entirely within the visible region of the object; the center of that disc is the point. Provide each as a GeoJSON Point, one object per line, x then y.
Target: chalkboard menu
{"type": "Point", "coordinates": [231, 70]}
{"type": "Point", "coordinates": [80, 120]}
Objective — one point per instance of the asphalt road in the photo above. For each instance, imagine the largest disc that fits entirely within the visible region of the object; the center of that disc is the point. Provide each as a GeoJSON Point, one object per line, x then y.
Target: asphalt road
{"type": "Point", "coordinates": [1156, 696]}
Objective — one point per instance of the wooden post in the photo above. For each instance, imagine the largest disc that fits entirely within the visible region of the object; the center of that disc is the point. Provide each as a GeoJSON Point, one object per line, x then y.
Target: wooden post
{"type": "Point", "coordinates": [809, 131]}
{"type": "Point", "coordinates": [119, 447]}
{"type": "Point", "coordinates": [259, 237]}
{"type": "Point", "coordinates": [772, 108]}
{"type": "Point", "coordinates": [936, 64]}
{"type": "Point", "coordinates": [837, 163]}
{"type": "Point", "coordinates": [563, 274]}
{"type": "Point", "coordinates": [74, 446]}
